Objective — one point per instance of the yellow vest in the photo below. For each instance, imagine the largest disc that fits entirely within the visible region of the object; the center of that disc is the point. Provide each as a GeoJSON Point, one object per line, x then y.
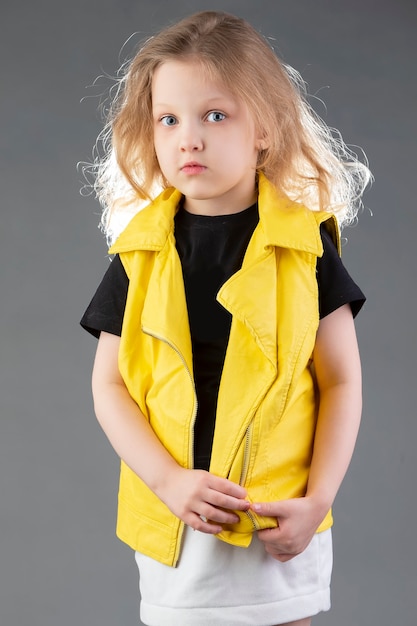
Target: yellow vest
{"type": "Point", "coordinates": [267, 405]}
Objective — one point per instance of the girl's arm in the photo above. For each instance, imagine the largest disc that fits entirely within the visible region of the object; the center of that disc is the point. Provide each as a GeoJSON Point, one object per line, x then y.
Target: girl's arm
{"type": "Point", "coordinates": [338, 372]}
{"type": "Point", "coordinates": [189, 494]}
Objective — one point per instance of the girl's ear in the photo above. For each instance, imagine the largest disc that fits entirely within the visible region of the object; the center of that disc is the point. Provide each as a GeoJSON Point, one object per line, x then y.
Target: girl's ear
{"type": "Point", "coordinates": [262, 142]}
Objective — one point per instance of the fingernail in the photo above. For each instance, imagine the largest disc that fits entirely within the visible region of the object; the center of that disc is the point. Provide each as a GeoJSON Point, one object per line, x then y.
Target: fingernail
{"type": "Point", "coordinates": [256, 507]}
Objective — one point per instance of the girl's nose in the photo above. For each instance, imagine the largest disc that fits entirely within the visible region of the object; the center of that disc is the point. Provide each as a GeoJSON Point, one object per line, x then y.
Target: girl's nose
{"type": "Point", "coordinates": [191, 140]}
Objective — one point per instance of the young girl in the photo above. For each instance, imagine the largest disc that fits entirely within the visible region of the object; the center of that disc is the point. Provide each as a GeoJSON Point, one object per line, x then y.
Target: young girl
{"type": "Point", "coordinates": [227, 374]}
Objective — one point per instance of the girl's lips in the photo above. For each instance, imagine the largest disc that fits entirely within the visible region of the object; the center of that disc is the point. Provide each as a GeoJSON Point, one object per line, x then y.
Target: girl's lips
{"type": "Point", "coordinates": [193, 168]}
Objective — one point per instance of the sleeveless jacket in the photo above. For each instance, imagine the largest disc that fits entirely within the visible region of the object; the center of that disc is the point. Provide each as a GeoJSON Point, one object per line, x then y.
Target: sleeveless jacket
{"type": "Point", "coordinates": [267, 402]}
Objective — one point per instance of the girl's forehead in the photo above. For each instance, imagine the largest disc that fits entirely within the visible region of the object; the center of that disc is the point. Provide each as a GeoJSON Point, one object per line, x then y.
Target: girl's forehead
{"type": "Point", "coordinates": [191, 69]}
{"type": "Point", "coordinates": [185, 81]}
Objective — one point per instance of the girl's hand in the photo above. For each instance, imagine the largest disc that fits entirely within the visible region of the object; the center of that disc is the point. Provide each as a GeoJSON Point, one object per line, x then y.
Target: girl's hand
{"type": "Point", "coordinates": [202, 500]}
{"type": "Point", "coordinates": [298, 520]}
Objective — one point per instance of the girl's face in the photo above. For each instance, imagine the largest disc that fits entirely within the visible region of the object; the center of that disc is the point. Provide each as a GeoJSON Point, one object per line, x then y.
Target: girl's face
{"type": "Point", "coordinates": [205, 139]}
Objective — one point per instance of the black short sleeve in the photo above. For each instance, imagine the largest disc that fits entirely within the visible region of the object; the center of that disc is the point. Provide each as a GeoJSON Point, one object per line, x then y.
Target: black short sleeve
{"type": "Point", "coordinates": [106, 310]}
{"type": "Point", "coordinates": [336, 287]}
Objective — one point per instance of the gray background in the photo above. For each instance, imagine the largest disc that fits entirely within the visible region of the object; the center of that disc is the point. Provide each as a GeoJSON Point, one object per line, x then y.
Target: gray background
{"type": "Point", "coordinates": [60, 564]}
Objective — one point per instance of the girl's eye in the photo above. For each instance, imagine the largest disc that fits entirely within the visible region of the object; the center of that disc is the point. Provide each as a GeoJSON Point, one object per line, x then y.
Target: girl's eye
{"type": "Point", "coordinates": [168, 120]}
{"type": "Point", "coordinates": [215, 116]}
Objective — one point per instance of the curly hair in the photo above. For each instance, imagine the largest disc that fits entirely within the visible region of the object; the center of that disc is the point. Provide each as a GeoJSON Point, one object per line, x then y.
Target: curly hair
{"type": "Point", "coordinates": [305, 159]}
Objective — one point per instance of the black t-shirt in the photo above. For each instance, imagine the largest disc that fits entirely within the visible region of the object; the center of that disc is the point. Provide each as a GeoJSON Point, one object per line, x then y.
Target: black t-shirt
{"type": "Point", "coordinates": [211, 249]}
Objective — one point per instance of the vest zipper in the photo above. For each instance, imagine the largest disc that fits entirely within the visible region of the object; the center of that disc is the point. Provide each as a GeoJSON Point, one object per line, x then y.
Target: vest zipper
{"type": "Point", "coordinates": [245, 466]}
{"type": "Point", "coordinates": [247, 446]}
{"type": "Point", "coordinates": [248, 435]}
{"type": "Point", "coordinates": [193, 417]}
{"type": "Point", "coordinates": [190, 376]}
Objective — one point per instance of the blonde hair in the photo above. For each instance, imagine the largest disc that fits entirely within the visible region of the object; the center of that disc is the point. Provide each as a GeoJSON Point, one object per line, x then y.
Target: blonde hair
{"type": "Point", "coordinates": [305, 159]}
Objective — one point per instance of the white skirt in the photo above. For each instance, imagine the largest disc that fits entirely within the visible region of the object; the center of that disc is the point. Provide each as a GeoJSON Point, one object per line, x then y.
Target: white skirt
{"type": "Point", "coordinates": [217, 583]}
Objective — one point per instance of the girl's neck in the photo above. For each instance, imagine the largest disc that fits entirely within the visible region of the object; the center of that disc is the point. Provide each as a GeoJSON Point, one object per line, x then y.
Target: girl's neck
{"type": "Point", "coordinates": [222, 205]}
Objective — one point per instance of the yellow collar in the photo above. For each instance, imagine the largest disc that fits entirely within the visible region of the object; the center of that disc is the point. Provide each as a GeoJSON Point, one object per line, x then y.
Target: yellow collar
{"type": "Point", "coordinates": [285, 223]}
